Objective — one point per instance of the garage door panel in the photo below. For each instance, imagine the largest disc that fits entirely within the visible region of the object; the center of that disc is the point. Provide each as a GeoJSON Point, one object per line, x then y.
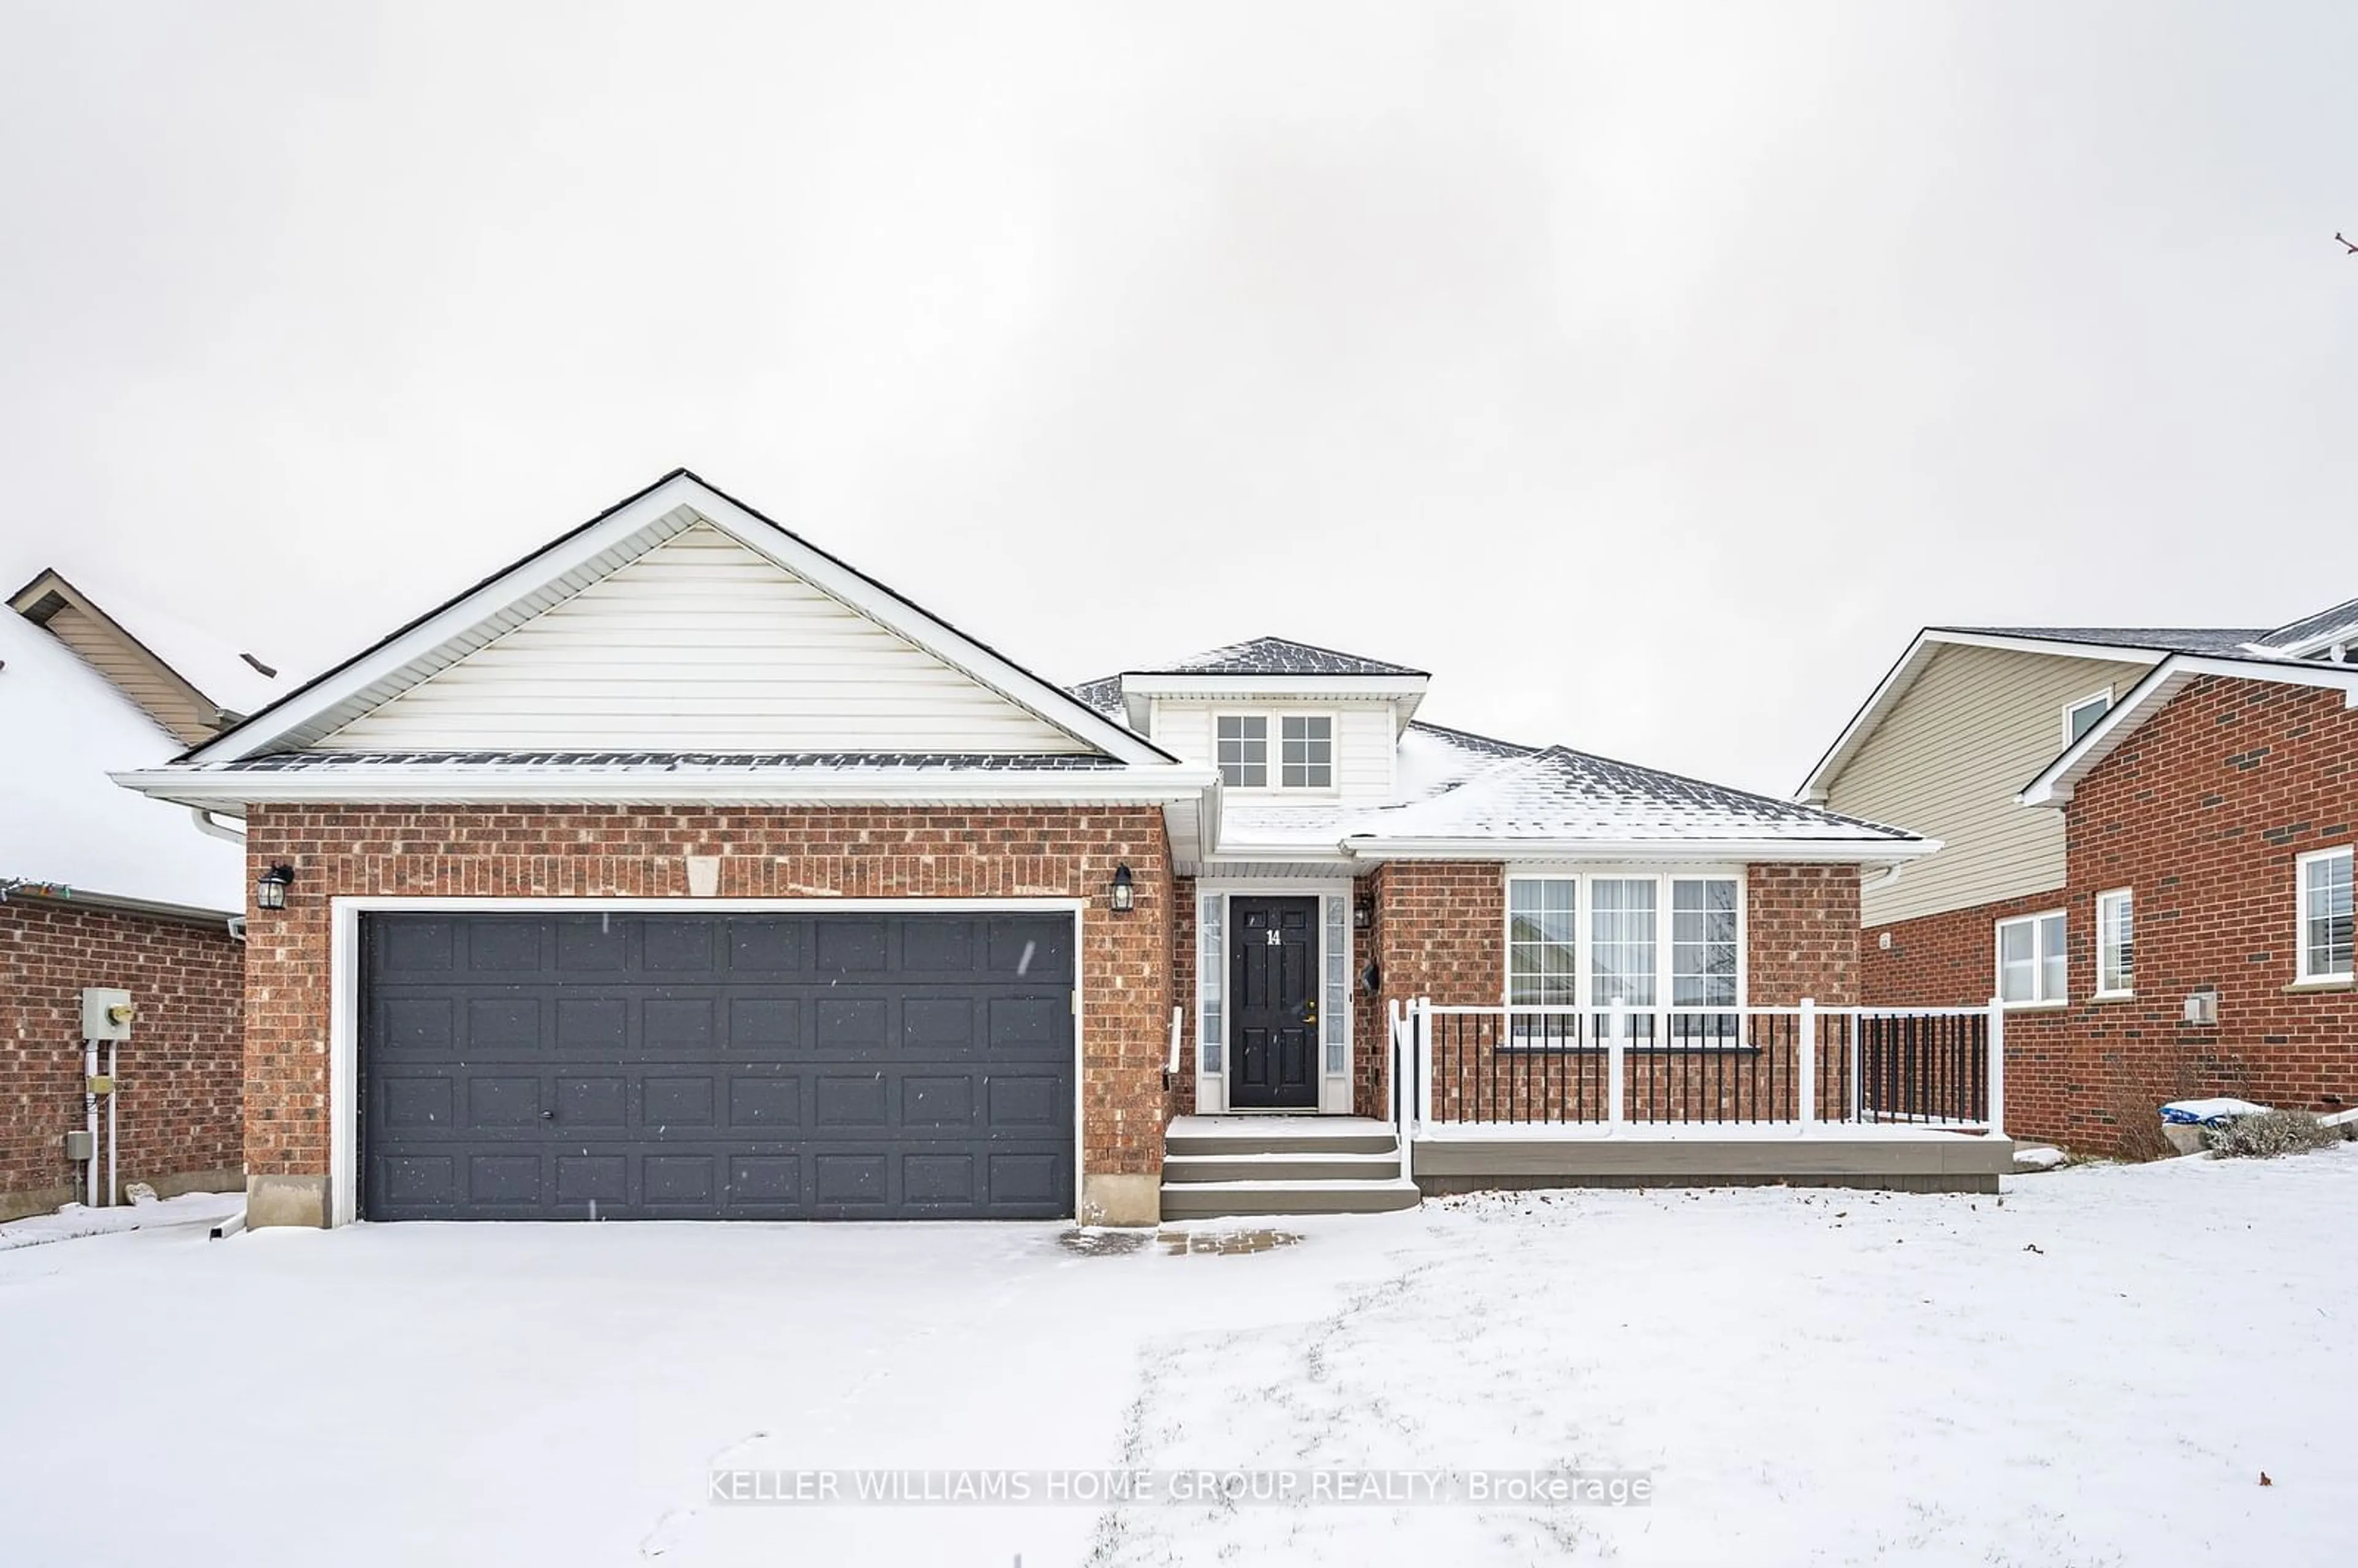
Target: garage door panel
{"type": "Point", "coordinates": [592, 1026]}
{"type": "Point", "coordinates": [846, 947]}
{"type": "Point", "coordinates": [504, 948]}
{"type": "Point", "coordinates": [756, 1066]}
{"type": "Point", "coordinates": [766, 1104]}
{"type": "Point", "coordinates": [763, 1027]}
{"type": "Point", "coordinates": [1035, 949]}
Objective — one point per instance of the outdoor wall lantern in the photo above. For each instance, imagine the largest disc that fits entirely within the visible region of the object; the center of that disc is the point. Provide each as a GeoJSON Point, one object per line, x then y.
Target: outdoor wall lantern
{"type": "Point", "coordinates": [1125, 890]}
{"type": "Point", "coordinates": [270, 888]}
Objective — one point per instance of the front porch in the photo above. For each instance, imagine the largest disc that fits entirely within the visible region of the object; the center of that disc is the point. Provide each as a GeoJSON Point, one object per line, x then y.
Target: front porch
{"type": "Point", "coordinates": [1502, 1097]}
{"type": "Point", "coordinates": [1484, 1097]}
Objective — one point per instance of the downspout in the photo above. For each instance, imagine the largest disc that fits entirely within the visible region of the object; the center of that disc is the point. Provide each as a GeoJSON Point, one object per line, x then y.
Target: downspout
{"type": "Point", "coordinates": [1890, 875]}
{"type": "Point", "coordinates": [209, 824]}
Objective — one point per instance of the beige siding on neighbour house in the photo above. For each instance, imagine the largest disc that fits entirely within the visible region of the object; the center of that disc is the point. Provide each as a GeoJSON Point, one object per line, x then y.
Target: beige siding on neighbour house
{"type": "Point", "coordinates": [1948, 760]}
{"type": "Point", "coordinates": [701, 644]}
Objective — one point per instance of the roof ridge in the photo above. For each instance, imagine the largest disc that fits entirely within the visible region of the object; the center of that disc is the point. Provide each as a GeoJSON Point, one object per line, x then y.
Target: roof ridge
{"type": "Point", "coordinates": [1472, 735]}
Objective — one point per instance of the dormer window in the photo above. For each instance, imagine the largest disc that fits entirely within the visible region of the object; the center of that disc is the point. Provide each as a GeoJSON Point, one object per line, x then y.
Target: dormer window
{"type": "Point", "coordinates": [1305, 751]}
{"type": "Point", "coordinates": [1244, 751]}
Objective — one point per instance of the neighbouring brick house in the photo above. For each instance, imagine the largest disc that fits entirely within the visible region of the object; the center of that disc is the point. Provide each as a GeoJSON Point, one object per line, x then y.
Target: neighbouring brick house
{"type": "Point", "coordinates": [99, 889]}
{"type": "Point", "coordinates": [2145, 851]}
{"type": "Point", "coordinates": [682, 870]}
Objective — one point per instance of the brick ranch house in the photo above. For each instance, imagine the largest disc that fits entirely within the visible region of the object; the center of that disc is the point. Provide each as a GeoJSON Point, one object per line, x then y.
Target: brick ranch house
{"type": "Point", "coordinates": [2147, 842]}
{"type": "Point", "coordinates": [102, 890]}
{"type": "Point", "coordinates": [683, 869]}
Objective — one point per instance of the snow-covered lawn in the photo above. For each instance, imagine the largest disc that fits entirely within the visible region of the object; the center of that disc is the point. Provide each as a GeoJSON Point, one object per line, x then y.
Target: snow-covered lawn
{"type": "Point", "coordinates": [2095, 1371]}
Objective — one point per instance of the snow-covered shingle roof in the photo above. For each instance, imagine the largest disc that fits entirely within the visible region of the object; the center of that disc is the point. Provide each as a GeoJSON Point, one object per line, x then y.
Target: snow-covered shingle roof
{"type": "Point", "coordinates": [1278, 657]}
{"type": "Point", "coordinates": [664, 762]}
{"type": "Point", "coordinates": [1563, 795]}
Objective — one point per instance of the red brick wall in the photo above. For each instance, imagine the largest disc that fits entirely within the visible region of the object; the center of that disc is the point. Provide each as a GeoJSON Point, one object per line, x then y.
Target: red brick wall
{"type": "Point", "coordinates": [638, 853]}
{"type": "Point", "coordinates": [2201, 813]}
{"type": "Point", "coordinates": [1440, 931]}
{"type": "Point", "coordinates": [1800, 928]}
{"type": "Point", "coordinates": [181, 1073]}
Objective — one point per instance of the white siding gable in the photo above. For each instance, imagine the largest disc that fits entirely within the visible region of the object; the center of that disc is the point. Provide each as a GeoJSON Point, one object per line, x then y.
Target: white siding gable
{"type": "Point", "coordinates": [1366, 734]}
{"type": "Point", "coordinates": [702, 644]}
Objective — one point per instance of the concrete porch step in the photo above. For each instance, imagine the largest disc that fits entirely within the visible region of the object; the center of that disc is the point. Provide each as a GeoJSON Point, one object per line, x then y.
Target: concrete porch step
{"type": "Point", "coordinates": [1283, 1165]}
{"type": "Point", "coordinates": [1222, 1200]}
{"type": "Point", "coordinates": [1191, 1135]}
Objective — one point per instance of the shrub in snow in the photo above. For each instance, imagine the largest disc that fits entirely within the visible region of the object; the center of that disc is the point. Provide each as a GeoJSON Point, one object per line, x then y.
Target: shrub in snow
{"type": "Point", "coordinates": [2270, 1133]}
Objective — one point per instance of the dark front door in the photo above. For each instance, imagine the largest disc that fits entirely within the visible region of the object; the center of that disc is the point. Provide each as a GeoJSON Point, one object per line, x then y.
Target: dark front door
{"type": "Point", "coordinates": [1273, 1008]}
{"type": "Point", "coordinates": [626, 1065]}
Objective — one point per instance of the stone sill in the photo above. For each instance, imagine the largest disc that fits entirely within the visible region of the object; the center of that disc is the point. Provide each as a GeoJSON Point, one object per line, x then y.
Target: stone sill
{"type": "Point", "coordinates": [2112, 996]}
{"type": "Point", "coordinates": [2300, 987]}
{"type": "Point", "coordinates": [2012, 1007]}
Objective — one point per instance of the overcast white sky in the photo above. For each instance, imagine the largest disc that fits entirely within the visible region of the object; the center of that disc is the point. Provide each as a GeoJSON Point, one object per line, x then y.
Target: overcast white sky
{"type": "Point", "coordinates": [1648, 374]}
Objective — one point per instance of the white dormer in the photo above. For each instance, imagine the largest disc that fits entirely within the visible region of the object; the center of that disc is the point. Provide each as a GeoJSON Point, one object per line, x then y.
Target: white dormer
{"type": "Point", "coordinates": [1286, 722]}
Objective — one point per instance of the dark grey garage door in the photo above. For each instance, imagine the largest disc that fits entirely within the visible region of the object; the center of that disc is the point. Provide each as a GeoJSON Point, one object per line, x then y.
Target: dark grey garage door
{"type": "Point", "coordinates": [733, 1067]}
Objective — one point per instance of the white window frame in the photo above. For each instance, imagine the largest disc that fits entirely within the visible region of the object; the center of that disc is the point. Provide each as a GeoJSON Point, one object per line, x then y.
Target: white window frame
{"type": "Point", "coordinates": [1334, 758]}
{"type": "Point", "coordinates": [1665, 949]}
{"type": "Point", "coordinates": [2303, 974]}
{"type": "Point", "coordinates": [2104, 900]}
{"type": "Point", "coordinates": [2038, 963]}
{"type": "Point", "coordinates": [2105, 696]}
{"type": "Point", "coordinates": [1268, 771]}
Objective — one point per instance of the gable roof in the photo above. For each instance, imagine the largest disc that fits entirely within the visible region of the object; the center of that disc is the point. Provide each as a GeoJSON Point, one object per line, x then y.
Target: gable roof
{"type": "Point", "coordinates": [1276, 657]}
{"type": "Point", "coordinates": [2055, 783]}
{"type": "Point", "coordinates": [1563, 799]}
{"type": "Point", "coordinates": [591, 552]}
{"type": "Point", "coordinates": [184, 678]}
{"type": "Point", "coordinates": [59, 822]}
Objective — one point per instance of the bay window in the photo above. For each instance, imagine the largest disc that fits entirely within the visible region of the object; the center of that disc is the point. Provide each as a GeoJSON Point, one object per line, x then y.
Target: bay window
{"type": "Point", "coordinates": [1588, 941]}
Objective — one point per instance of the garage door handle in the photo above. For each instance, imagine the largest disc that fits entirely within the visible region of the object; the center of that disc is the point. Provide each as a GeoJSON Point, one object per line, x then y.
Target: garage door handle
{"type": "Point", "coordinates": [549, 1116]}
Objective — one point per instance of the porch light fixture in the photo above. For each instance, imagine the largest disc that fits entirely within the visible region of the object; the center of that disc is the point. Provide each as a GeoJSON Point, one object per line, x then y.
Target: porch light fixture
{"type": "Point", "coordinates": [1125, 890]}
{"type": "Point", "coordinates": [270, 888]}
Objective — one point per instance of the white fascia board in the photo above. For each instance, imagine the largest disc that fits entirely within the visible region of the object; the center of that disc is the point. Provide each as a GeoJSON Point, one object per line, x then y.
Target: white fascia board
{"type": "Point", "coordinates": [1902, 674]}
{"type": "Point", "coordinates": [1373, 687]}
{"type": "Point", "coordinates": [1839, 851]}
{"type": "Point", "coordinates": [232, 790]}
{"type": "Point", "coordinates": [643, 513]}
{"type": "Point", "coordinates": [2055, 783]}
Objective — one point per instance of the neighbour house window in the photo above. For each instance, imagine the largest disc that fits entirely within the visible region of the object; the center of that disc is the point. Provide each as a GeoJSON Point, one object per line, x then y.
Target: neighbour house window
{"type": "Point", "coordinates": [2324, 910]}
{"type": "Point", "coordinates": [1244, 751]}
{"type": "Point", "coordinates": [2030, 959]}
{"type": "Point", "coordinates": [1646, 941]}
{"type": "Point", "coordinates": [2116, 943]}
{"type": "Point", "coordinates": [2081, 716]}
{"type": "Point", "coordinates": [1306, 751]}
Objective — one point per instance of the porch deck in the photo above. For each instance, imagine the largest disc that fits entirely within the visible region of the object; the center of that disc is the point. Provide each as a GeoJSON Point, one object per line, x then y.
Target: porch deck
{"type": "Point", "coordinates": [1527, 1097]}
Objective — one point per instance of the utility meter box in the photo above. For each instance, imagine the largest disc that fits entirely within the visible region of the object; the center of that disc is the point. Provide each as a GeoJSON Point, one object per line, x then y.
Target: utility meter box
{"type": "Point", "coordinates": [105, 1013]}
{"type": "Point", "coordinates": [80, 1145]}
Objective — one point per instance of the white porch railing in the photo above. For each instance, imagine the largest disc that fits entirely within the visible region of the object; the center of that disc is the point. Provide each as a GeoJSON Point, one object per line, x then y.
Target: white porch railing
{"type": "Point", "coordinates": [1807, 1069]}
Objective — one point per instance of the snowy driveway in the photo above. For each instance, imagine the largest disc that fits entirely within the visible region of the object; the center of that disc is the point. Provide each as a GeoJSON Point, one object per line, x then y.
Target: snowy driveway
{"type": "Point", "coordinates": [1820, 1377]}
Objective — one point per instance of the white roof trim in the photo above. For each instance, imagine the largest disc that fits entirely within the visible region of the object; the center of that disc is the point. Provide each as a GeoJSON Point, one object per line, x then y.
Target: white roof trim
{"type": "Point", "coordinates": [1374, 687]}
{"type": "Point", "coordinates": [230, 790]}
{"type": "Point", "coordinates": [446, 635]}
{"type": "Point", "coordinates": [2055, 783]}
{"type": "Point", "coordinates": [1837, 851]}
{"type": "Point", "coordinates": [1902, 674]}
